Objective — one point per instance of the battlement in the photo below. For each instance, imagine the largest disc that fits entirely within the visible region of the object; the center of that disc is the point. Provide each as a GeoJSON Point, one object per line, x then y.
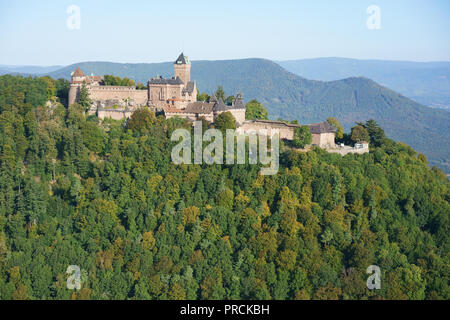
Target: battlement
{"type": "Point", "coordinates": [115, 88]}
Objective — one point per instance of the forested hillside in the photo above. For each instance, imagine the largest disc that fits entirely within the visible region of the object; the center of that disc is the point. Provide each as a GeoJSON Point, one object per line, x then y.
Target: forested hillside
{"type": "Point", "coordinates": [289, 96]}
{"type": "Point", "coordinates": [74, 191]}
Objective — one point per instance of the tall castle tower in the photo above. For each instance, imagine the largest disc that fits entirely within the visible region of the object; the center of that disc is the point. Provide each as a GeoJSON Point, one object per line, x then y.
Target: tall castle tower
{"type": "Point", "coordinates": [77, 79]}
{"type": "Point", "coordinates": [182, 67]}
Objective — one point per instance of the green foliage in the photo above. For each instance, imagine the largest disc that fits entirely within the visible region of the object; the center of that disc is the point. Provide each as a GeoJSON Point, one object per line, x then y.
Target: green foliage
{"type": "Point", "coordinates": [110, 80]}
{"type": "Point", "coordinates": [359, 133]}
{"type": "Point", "coordinates": [203, 97]}
{"type": "Point", "coordinates": [62, 88]}
{"type": "Point", "coordinates": [230, 100]}
{"type": "Point", "coordinates": [376, 133]}
{"type": "Point", "coordinates": [141, 86]}
{"type": "Point", "coordinates": [340, 130]}
{"type": "Point", "coordinates": [302, 137]}
{"type": "Point", "coordinates": [110, 200]}
{"type": "Point", "coordinates": [141, 120]}
{"type": "Point", "coordinates": [83, 98]}
{"type": "Point", "coordinates": [220, 93]}
{"type": "Point", "coordinates": [255, 110]}
{"type": "Point", "coordinates": [225, 121]}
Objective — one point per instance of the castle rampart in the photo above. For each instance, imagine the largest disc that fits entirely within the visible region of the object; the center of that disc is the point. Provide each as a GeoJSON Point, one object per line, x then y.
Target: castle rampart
{"type": "Point", "coordinates": [285, 130]}
{"type": "Point", "coordinates": [118, 114]}
{"type": "Point", "coordinates": [102, 93]}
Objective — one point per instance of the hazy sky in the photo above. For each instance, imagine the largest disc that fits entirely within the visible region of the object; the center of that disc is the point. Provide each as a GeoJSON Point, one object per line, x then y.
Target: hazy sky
{"type": "Point", "coordinates": [36, 32]}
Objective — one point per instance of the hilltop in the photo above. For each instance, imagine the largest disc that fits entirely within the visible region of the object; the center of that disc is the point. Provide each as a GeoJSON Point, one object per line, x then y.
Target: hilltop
{"type": "Point", "coordinates": [107, 197]}
{"type": "Point", "coordinates": [289, 96]}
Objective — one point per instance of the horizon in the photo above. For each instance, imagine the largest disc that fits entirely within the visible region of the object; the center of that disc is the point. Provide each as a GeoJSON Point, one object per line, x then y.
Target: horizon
{"type": "Point", "coordinates": [212, 60]}
{"type": "Point", "coordinates": [58, 34]}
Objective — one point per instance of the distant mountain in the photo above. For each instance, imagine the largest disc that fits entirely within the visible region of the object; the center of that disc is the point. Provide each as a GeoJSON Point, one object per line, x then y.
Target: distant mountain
{"type": "Point", "coordinates": [289, 96]}
{"type": "Point", "coordinates": [27, 70]}
{"type": "Point", "coordinates": [140, 72]}
{"type": "Point", "coordinates": [425, 82]}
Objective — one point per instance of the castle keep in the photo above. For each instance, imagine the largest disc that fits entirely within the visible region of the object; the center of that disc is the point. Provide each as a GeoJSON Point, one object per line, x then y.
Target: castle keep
{"type": "Point", "coordinates": [176, 96]}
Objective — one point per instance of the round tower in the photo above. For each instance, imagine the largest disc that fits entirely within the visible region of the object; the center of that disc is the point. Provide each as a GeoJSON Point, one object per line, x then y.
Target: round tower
{"type": "Point", "coordinates": [77, 79]}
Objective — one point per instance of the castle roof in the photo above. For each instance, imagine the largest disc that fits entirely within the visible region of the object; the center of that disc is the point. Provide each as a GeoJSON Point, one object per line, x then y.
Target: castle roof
{"type": "Point", "coordinates": [88, 79]}
{"type": "Point", "coordinates": [238, 103]}
{"type": "Point", "coordinates": [323, 127]}
{"type": "Point", "coordinates": [219, 105]}
{"type": "Point", "coordinates": [189, 87]}
{"type": "Point", "coordinates": [182, 59]}
{"type": "Point", "coordinates": [160, 80]}
{"type": "Point", "coordinates": [213, 98]}
{"type": "Point", "coordinates": [78, 73]}
{"type": "Point", "coordinates": [197, 107]}
{"type": "Point", "coordinates": [200, 107]}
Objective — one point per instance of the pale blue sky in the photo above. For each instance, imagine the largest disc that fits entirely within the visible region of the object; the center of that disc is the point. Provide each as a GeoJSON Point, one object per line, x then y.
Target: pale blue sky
{"type": "Point", "coordinates": [35, 32]}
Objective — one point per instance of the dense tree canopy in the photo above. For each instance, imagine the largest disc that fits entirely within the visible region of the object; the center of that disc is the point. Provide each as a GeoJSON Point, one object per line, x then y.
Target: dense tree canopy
{"type": "Point", "coordinates": [302, 137]}
{"type": "Point", "coordinates": [220, 93]}
{"type": "Point", "coordinates": [225, 121]}
{"type": "Point", "coordinates": [255, 110]}
{"type": "Point", "coordinates": [359, 133]}
{"type": "Point", "coordinates": [141, 120]}
{"type": "Point", "coordinates": [111, 80]}
{"type": "Point", "coordinates": [203, 97]}
{"type": "Point", "coordinates": [77, 191]}
{"type": "Point", "coordinates": [83, 98]}
{"type": "Point", "coordinates": [339, 129]}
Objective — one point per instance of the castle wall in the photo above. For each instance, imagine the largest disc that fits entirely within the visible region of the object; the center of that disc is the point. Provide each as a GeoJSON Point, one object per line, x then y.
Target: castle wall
{"type": "Point", "coordinates": [114, 114]}
{"type": "Point", "coordinates": [103, 93]}
{"type": "Point", "coordinates": [286, 133]}
{"type": "Point", "coordinates": [346, 150]}
{"type": "Point", "coordinates": [189, 116]}
{"type": "Point", "coordinates": [160, 93]}
{"type": "Point", "coordinates": [239, 115]}
{"type": "Point", "coordinates": [324, 140]}
{"type": "Point", "coordinates": [73, 94]}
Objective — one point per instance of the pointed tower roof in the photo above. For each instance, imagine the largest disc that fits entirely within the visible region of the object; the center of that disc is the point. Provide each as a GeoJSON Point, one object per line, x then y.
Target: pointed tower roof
{"type": "Point", "coordinates": [238, 103]}
{"type": "Point", "coordinates": [213, 98]}
{"type": "Point", "coordinates": [220, 106]}
{"type": "Point", "coordinates": [78, 73]}
{"type": "Point", "coordinates": [182, 59]}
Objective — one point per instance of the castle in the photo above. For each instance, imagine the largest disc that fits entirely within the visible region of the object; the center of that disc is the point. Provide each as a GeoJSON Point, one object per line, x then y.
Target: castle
{"type": "Point", "coordinates": [176, 96]}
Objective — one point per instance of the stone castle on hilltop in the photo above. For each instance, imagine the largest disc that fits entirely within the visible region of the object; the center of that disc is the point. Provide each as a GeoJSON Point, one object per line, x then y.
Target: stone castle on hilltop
{"type": "Point", "coordinates": [176, 96]}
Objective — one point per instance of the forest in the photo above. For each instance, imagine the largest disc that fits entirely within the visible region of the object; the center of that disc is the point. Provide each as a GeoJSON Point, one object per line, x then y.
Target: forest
{"type": "Point", "coordinates": [105, 196]}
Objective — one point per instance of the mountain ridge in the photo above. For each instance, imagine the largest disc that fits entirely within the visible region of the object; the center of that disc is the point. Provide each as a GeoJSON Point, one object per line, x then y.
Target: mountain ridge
{"type": "Point", "coordinates": [425, 82]}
